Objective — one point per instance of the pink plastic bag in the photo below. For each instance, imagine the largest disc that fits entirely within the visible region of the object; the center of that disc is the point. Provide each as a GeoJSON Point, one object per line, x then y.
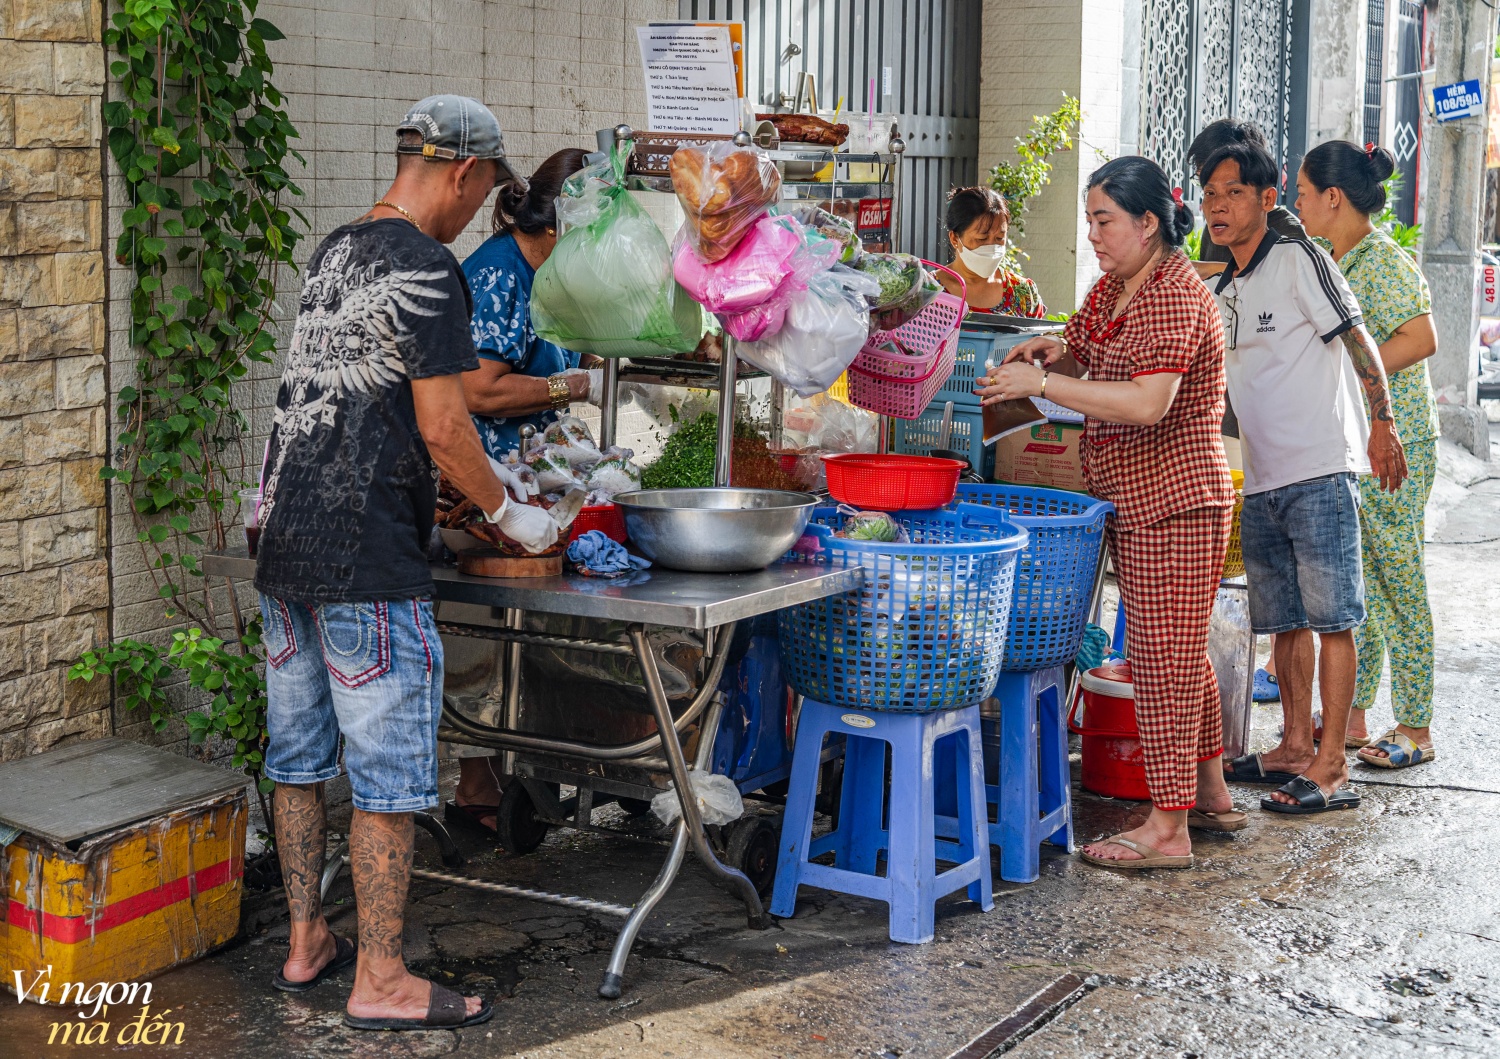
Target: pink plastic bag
{"type": "Point", "coordinates": [814, 253]}
{"type": "Point", "coordinates": [748, 277]}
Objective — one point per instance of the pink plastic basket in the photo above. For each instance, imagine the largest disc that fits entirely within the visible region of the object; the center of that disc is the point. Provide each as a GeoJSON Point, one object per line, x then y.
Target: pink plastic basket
{"type": "Point", "coordinates": [902, 382]}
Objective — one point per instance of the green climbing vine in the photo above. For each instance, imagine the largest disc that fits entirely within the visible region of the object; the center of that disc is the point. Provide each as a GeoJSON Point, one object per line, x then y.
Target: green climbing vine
{"type": "Point", "coordinates": [201, 138]}
{"type": "Point", "coordinates": [1024, 178]}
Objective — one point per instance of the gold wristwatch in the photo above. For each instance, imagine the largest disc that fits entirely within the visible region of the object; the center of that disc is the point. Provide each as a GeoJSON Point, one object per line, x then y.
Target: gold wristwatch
{"type": "Point", "coordinates": [558, 392]}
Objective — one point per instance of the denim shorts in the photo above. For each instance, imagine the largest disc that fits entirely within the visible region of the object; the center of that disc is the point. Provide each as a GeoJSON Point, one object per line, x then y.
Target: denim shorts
{"type": "Point", "coordinates": [371, 672]}
{"type": "Point", "coordinates": [1302, 557]}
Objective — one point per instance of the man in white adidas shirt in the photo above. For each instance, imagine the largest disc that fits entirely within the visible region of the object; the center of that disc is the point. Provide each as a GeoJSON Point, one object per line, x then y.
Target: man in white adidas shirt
{"type": "Point", "coordinates": [1297, 356]}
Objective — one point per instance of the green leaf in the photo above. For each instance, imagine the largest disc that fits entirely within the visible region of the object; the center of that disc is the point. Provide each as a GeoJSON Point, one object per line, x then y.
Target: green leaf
{"type": "Point", "coordinates": [265, 30]}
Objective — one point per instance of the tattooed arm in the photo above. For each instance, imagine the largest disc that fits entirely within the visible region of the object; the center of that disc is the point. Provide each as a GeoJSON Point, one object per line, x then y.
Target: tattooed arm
{"type": "Point", "coordinates": [1387, 458]}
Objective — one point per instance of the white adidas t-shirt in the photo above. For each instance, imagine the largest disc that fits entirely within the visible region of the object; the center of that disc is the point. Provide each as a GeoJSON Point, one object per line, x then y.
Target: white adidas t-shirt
{"type": "Point", "coordinates": [1299, 403]}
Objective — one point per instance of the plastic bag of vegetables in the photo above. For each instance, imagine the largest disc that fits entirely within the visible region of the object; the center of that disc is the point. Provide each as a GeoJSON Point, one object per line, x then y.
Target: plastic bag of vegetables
{"type": "Point", "coordinates": [905, 288]}
{"type": "Point", "coordinates": [607, 287]}
{"type": "Point", "coordinates": [871, 526]}
{"type": "Point", "coordinates": [840, 229]}
{"type": "Point", "coordinates": [825, 327]}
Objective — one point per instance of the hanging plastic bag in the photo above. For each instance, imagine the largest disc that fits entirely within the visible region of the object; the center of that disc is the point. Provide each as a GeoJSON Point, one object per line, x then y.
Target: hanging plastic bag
{"type": "Point", "coordinates": [723, 189]}
{"type": "Point", "coordinates": [840, 229]}
{"type": "Point", "coordinates": [814, 254]}
{"type": "Point", "coordinates": [719, 800]}
{"type": "Point", "coordinates": [825, 326]}
{"type": "Point", "coordinates": [748, 276]}
{"type": "Point", "coordinates": [607, 287]}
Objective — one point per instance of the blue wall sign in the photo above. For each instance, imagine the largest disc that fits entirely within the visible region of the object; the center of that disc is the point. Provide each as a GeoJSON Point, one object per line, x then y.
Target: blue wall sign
{"type": "Point", "coordinates": [1461, 100]}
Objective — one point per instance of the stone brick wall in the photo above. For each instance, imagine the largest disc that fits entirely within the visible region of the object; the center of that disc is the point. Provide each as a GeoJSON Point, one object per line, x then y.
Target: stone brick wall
{"type": "Point", "coordinates": [54, 583]}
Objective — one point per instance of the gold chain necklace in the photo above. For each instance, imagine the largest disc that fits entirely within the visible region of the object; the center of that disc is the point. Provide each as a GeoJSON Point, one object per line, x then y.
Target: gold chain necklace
{"type": "Point", "coordinates": [398, 209]}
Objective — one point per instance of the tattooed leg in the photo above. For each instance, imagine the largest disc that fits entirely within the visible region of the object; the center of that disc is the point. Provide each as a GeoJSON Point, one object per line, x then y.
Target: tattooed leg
{"type": "Point", "coordinates": [301, 837]}
{"type": "Point", "coordinates": [380, 855]}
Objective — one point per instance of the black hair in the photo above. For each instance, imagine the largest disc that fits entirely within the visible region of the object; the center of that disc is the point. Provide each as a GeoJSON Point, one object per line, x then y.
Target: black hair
{"type": "Point", "coordinates": [529, 205]}
{"type": "Point", "coordinates": [1139, 186]}
{"type": "Point", "coordinates": [967, 205]}
{"type": "Point", "coordinates": [1219, 134]}
{"type": "Point", "coordinates": [1257, 167]}
{"type": "Point", "coordinates": [1359, 173]}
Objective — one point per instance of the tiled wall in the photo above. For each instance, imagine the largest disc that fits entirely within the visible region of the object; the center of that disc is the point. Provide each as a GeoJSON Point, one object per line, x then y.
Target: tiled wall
{"type": "Point", "coordinates": [54, 587]}
{"type": "Point", "coordinates": [553, 72]}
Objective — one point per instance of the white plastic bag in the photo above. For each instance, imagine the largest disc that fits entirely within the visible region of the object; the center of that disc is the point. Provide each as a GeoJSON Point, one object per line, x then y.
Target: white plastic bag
{"type": "Point", "coordinates": [825, 327]}
{"type": "Point", "coordinates": [719, 800]}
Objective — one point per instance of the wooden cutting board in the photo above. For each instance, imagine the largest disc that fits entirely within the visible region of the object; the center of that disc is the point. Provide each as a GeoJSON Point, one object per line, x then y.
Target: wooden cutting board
{"type": "Point", "coordinates": [487, 562]}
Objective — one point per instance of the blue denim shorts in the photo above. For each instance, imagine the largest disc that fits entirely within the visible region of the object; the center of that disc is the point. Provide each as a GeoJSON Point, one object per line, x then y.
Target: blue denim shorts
{"type": "Point", "coordinates": [1302, 557]}
{"type": "Point", "coordinates": [371, 672]}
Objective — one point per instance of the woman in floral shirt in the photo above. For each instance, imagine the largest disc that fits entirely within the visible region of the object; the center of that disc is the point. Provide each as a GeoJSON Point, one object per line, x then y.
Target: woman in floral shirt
{"type": "Point", "coordinates": [521, 379]}
{"type": "Point", "coordinates": [978, 223]}
{"type": "Point", "coordinates": [1338, 190]}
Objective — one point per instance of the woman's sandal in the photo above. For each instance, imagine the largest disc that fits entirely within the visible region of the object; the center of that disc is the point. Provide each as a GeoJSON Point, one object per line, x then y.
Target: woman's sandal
{"type": "Point", "coordinates": [1150, 856]}
{"type": "Point", "coordinates": [1401, 752]}
{"type": "Point", "coordinates": [446, 1010]}
{"type": "Point", "coordinates": [1310, 799]}
{"type": "Point", "coordinates": [344, 953]}
{"type": "Point", "coordinates": [1251, 769]}
{"type": "Point", "coordinates": [1230, 820]}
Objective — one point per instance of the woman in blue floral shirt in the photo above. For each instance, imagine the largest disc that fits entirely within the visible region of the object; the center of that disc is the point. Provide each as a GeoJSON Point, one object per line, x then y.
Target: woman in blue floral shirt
{"type": "Point", "coordinates": [1338, 190]}
{"type": "Point", "coordinates": [521, 379]}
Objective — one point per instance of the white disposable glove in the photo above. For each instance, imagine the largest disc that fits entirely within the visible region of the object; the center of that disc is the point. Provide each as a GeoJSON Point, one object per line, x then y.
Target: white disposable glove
{"type": "Point", "coordinates": [596, 383]}
{"type": "Point", "coordinates": [530, 527]}
{"type": "Point", "coordinates": [508, 478]}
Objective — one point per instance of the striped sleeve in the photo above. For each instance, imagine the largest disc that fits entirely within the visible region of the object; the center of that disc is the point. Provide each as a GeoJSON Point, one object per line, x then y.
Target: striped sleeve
{"type": "Point", "coordinates": [1320, 290]}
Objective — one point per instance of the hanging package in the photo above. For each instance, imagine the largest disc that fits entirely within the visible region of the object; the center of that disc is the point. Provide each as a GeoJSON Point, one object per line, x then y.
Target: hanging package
{"type": "Point", "coordinates": [812, 253]}
{"type": "Point", "coordinates": [607, 287]}
{"type": "Point", "coordinates": [723, 189]}
{"type": "Point", "coordinates": [825, 327]}
{"type": "Point", "coordinates": [748, 276]}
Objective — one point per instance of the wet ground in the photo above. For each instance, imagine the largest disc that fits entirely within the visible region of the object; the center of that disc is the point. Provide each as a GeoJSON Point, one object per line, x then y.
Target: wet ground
{"type": "Point", "coordinates": [1374, 933]}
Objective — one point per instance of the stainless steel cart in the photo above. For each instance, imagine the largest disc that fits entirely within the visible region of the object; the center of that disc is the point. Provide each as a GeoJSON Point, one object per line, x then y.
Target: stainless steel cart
{"type": "Point", "coordinates": [708, 604]}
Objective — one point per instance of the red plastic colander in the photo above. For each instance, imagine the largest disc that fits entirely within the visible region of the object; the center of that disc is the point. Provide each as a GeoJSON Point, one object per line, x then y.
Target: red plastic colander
{"type": "Point", "coordinates": [606, 517]}
{"type": "Point", "coordinates": [892, 483]}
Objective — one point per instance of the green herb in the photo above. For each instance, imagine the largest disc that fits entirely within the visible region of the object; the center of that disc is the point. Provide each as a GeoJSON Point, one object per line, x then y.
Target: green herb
{"type": "Point", "coordinates": [687, 459]}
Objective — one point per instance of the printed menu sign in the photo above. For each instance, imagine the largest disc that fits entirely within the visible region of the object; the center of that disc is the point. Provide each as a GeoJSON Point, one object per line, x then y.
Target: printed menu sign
{"type": "Point", "coordinates": [690, 79]}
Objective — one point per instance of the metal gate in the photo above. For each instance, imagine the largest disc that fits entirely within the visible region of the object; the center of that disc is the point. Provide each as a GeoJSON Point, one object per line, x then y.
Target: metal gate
{"type": "Point", "coordinates": [1208, 59]}
{"type": "Point", "coordinates": [923, 59]}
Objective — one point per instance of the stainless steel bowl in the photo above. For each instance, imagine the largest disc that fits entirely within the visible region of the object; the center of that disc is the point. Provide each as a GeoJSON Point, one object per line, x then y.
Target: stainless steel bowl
{"type": "Point", "coordinates": [715, 530]}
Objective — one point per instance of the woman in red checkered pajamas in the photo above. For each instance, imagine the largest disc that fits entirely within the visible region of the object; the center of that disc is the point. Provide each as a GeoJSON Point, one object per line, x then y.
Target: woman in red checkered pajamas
{"type": "Point", "coordinates": [1152, 342]}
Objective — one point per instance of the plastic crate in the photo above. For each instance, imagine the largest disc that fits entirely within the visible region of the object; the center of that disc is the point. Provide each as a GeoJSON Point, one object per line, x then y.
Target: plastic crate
{"type": "Point", "coordinates": [925, 631]}
{"type": "Point", "coordinates": [975, 345]}
{"type": "Point", "coordinates": [1054, 575]}
{"type": "Point", "coordinates": [606, 517]}
{"type": "Point", "coordinates": [919, 437]}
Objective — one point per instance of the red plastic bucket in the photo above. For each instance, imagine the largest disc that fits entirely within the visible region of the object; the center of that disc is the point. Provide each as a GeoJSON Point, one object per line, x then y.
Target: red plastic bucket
{"type": "Point", "coordinates": [1114, 763]}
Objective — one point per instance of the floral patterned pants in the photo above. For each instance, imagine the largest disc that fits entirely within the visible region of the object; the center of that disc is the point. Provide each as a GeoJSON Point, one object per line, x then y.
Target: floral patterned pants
{"type": "Point", "coordinates": [1398, 619]}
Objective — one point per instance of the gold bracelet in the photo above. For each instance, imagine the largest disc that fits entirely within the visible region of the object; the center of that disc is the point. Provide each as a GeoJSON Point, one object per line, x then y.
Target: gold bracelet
{"type": "Point", "coordinates": [1043, 392]}
{"type": "Point", "coordinates": [558, 392]}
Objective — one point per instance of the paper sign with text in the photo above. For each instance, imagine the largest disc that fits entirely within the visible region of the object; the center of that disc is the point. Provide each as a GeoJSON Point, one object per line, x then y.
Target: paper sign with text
{"type": "Point", "coordinates": [691, 85]}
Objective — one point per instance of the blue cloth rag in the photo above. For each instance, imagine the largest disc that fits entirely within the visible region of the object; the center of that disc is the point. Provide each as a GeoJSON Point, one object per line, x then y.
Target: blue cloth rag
{"type": "Point", "coordinates": [596, 554]}
{"type": "Point", "coordinates": [1093, 650]}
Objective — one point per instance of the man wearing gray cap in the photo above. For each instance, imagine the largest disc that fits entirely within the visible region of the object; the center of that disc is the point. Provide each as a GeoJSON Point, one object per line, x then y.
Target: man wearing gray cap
{"type": "Point", "coordinates": [370, 400]}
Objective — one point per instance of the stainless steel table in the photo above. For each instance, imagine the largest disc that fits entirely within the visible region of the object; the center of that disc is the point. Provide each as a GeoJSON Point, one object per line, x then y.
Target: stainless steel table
{"type": "Point", "coordinates": [709, 603]}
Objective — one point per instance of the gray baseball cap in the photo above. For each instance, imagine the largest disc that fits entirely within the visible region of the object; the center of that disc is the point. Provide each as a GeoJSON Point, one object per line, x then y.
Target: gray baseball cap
{"type": "Point", "coordinates": [452, 128]}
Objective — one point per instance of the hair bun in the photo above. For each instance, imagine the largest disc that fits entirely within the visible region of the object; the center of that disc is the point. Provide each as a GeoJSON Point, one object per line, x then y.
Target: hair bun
{"type": "Point", "coordinates": [1382, 163]}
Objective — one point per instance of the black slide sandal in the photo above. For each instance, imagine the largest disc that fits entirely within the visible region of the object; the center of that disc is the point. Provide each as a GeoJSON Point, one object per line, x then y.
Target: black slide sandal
{"type": "Point", "coordinates": [1250, 769]}
{"type": "Point", "coordinates": [344, 953]}
{"type": "Point", "coordinates": [1310, 799]}
{"type": "Point", "coordinates": [445, 1011]}
{"type": "Point", "coordinates": [471, 817]}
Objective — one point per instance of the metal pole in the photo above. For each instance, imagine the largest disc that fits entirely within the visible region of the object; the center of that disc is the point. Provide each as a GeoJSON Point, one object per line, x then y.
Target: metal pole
{"type": "Point", "coordinates": [728, 376]}
{"type": "Point", "coordinates": [609, 407]}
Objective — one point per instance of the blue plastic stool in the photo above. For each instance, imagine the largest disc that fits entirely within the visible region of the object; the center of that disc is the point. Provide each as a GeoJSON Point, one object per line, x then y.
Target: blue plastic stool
{"type": "Point", "coordinates": [1032, 796]}
{"type": "Point", "coordinates": [912, 883]}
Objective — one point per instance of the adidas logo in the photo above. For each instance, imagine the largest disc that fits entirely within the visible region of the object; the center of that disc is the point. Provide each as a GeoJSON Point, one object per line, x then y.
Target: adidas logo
{"type": "Point", "coordinates": [1266, 327]}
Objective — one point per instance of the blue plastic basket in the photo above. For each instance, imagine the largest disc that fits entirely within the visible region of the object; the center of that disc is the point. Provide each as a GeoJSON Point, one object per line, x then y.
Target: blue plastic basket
{"type": "Point", "coordinates": [918, 437]}
{"type": "Point", "coordinates": [1054, 575]}
{"type": "Point", "coordinates": [976, 343]}
{"type": "Point", "coordinates": [926, 630]}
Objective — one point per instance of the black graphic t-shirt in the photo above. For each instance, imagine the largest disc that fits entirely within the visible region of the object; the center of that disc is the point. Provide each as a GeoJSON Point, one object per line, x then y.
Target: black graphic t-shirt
{"type": "Point", "coordinates": [349, 487]}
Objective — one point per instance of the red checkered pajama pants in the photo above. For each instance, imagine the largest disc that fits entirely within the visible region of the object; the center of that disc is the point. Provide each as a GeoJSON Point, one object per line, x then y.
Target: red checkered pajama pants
{"type": "Point", "coordinates": [1169, 573]}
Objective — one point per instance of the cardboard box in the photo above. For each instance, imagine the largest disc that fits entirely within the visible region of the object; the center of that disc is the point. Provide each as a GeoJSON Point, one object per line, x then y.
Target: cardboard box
{"type": "Point", "coordinates": [1045, 454]}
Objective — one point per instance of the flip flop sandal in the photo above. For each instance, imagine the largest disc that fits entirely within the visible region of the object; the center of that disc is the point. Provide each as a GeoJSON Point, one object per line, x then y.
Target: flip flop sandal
{"type": "Point", "coordinates": [1231, 820]}
{"type": "Point", "coordinates": [344, 953]}
{"type": "Point", "coordinates": [1250, 769]}
{"type": "Point", "coordinates": [1401, 752]}
{"type": "Point", "coordinates": [471, 817]}
{"type": "Point", "coordinates": [1310, 799]}
{"type": "Point", "coordinates": [446, 1010]}
{"type": "Point", "coordinates": [1150, 857]}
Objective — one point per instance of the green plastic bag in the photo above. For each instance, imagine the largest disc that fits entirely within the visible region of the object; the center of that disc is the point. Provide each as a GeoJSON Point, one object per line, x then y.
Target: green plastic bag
{"type": "Point", "coordinates": [607, 287]}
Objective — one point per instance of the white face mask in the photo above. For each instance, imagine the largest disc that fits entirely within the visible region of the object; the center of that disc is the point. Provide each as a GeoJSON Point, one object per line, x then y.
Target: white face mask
{"type": "Point", "coordinates": [982, 260]}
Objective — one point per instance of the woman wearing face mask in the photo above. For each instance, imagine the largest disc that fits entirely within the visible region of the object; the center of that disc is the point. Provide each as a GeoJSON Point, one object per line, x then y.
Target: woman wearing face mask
{"type": "Point", "coordinates": [978, 222]}
{"type": "Point", "coordinates": [1152, 342]}
{"type": "Point", "coordinates": [1338, 189]}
